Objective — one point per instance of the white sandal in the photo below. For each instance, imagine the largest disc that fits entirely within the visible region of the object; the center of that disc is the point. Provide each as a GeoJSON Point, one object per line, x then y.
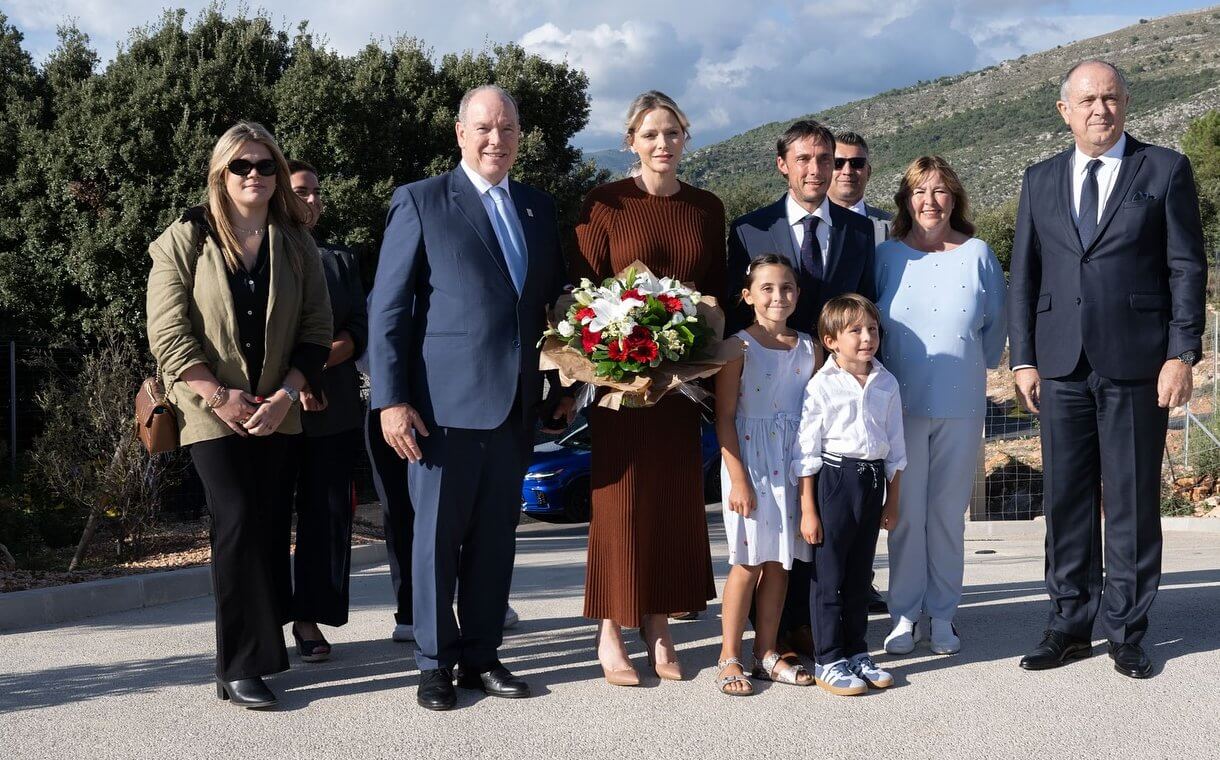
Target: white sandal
{"type": "Point", "coordinates": [788, 675]}
{"type": "Point", "coordinates": [722, 681]}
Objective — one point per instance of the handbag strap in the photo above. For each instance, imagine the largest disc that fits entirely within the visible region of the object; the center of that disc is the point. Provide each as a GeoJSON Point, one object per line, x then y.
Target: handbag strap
{"type": "Point", "coordinates": [198, 219]}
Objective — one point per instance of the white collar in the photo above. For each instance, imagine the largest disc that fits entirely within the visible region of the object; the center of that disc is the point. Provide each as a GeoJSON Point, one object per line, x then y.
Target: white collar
{"type": "Point", "coordinates": [830, 367]}
{"type": "Point", "coordinates": [1111, 157]}
{"type": "Point", "coordinates": [797, 212]}
{"type": "Point", "coordinates": [480, 183]}
{"type": "Point", "coordinates": [860, 208]}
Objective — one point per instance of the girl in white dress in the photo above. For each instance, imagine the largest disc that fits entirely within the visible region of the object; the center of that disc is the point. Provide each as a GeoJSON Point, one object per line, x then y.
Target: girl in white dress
{"type": "Point", "coordinates": [758, 409]}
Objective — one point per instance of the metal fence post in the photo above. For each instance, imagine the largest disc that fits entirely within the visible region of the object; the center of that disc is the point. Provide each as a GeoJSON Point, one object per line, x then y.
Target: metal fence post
{"type": "Point", "coordinates": [12, 402]}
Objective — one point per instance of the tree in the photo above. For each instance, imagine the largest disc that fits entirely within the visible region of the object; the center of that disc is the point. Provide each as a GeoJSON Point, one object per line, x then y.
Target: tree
{"type": "Point", "coordinates": [1201, 144]}
{"type": "Point", "coordinates": [997, 226]}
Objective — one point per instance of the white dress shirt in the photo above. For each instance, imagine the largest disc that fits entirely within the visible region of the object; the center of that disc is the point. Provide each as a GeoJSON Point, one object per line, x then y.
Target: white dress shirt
{"type": "Point", "coordinates": [797, 212]}
{"type": "Point", "coordinates": [859, 208]}
{"type": "Point", "coordinates": [1107, 175]}
{"type": "Point", "coordinates": [489, 205]}
{"type": "Point", "coordinates": [842, 417]}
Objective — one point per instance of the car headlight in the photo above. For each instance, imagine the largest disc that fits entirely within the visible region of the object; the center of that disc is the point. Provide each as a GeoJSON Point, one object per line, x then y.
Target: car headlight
{"type": "Point", "coordinates": [543, 475]}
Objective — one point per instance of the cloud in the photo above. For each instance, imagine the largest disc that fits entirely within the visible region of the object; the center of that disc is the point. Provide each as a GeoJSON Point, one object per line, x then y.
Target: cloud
{"type": "Point", "coordinates": [731, 64]}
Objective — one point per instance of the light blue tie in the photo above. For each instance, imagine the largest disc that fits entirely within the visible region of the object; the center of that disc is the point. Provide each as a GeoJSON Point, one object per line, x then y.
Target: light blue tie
{"type": "Point", "coordinates": [514, 249]}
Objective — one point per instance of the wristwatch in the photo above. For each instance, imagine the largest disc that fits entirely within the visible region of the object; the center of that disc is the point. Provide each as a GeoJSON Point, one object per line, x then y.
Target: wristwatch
{"type": "Point", "coordinates": [293, 394]}
{"type": "Point", "coordinates": [1190, 357]}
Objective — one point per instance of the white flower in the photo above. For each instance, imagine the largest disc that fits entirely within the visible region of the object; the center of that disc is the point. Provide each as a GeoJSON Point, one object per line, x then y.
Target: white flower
{"type": "Point", "coordinates": [565, 329]}
{"type": "Point", "coordinates": [616, 312]}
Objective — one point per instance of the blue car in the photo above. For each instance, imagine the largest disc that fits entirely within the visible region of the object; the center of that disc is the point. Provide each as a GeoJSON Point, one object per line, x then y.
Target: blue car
{"type": "Point", "coordinates": [557, 486]}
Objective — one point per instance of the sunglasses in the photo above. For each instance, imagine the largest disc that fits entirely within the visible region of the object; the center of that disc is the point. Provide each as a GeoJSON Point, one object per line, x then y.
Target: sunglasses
{"type": "Point", "coordinates": [241, 167]}
{"type": "Point", "coordinates": [857, 163]}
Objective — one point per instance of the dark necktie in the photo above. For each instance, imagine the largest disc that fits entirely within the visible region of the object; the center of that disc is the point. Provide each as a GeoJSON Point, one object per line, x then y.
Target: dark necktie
{"type": "Point", "coordinates": [811, 249]}
{"type": "Point", "coordinates": [1086, 224]}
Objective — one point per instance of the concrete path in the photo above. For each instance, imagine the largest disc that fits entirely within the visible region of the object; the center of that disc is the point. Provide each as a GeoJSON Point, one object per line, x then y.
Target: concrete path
{"type": "Point", "coordinates": [138, 684]}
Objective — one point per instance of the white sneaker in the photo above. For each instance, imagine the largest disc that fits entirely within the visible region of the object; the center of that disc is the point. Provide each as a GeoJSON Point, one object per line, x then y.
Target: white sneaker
{"type": "Point", "coordinates": [944, 637]}
{"type": "Point", "coordinates": [865, 669]}
{"type": "Point", "coordinates": [902, 639]}
{"type": "Point", "coordinates": [511, 617]}
{"type": "Point", "coordinates": [403, 632]}
{"type": "Point", "coordinates": [837, 678]}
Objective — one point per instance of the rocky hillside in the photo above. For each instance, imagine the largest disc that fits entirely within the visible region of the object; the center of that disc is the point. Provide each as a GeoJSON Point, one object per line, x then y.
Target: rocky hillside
{"type": "Point", "coordinates": [993, 123]}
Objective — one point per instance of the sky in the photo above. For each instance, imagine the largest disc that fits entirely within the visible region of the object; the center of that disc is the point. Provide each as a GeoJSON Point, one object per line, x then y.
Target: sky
{"type": "Point", "coordinates": [730, 64]}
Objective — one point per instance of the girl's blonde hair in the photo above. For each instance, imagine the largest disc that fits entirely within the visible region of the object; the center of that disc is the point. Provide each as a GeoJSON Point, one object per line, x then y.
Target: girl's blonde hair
{"type": "Point", "coordinates": [286, 211]}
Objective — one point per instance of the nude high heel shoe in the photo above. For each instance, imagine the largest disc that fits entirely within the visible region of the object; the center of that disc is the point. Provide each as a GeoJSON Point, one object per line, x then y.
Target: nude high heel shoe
{"type": "Point", "coordinates": [666, 671]}
{"type": "Point", "coordinates": [625, 677]}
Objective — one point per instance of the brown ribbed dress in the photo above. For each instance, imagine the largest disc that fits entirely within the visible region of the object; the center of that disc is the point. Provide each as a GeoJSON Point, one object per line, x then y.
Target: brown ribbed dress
{"type": "Point", "coordinates": [648, 545]}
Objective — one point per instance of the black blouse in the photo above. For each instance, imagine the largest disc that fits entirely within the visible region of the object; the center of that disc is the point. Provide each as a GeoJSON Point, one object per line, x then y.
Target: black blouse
{"type": "Point", "coordinates": [250, 289]}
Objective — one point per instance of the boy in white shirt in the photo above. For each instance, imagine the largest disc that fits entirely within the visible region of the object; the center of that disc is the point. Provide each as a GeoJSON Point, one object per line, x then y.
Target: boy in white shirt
{"type": "Point", "coordinates": [851, 432]}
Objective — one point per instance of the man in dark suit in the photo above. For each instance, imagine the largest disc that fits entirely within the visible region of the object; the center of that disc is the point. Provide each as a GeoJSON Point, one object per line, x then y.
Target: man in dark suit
{"type": "Point", "coordinates": [469, 263]}
{"type": "Point", "coordinates": [1105, 321]}
{"type": "Point", "coordinates": [850, 180]}
{"type": "Point", "coordinates": [831, 249]}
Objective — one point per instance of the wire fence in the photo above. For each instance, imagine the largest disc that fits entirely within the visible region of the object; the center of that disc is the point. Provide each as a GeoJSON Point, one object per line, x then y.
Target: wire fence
{"type": "Point", "coordinates": [1008, 481]}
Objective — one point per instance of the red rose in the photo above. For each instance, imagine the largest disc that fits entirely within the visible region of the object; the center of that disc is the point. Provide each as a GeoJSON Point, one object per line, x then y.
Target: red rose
{"type": "Point", "coordinates": [617, 350]}
{"type": "Point", "coordinates": [633, 293]}
{"type": "Point", "coordinates": [589, 339]}
{"type": "Point", "coordinates": [585, 313]}
{"type": "Point", "coordinates": [644, 351]}
{"type": "Point", "coordinates": [673, 304]}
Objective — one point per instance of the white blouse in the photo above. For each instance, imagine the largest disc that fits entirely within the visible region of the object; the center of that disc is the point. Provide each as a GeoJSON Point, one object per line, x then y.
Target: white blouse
{"type": "Point", "coordinates": [842, 417]}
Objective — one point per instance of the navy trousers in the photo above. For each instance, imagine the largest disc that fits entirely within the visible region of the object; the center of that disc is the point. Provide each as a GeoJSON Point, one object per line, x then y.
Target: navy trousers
{"type": "Point", "coordinates": [397, 515]}
{"type": "Point", "coordinates": [850, 497]}
{"type": "Point", "coordinates": [467, 497]}
{"type": "Point", "coordinates": [1099, 431]}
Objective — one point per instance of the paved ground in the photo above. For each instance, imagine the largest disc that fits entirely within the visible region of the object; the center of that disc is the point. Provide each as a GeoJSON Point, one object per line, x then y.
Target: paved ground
{"type": "Point", "coordinates": [138, 684]}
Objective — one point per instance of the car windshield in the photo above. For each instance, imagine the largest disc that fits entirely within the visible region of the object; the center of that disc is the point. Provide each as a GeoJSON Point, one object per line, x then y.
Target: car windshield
{"type": "Point", "coordinates": [578, 437]}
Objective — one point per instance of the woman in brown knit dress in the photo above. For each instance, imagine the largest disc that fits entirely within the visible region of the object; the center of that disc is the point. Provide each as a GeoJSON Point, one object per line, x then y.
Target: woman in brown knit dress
{"type": "Point", "coordinates": [648, 544]}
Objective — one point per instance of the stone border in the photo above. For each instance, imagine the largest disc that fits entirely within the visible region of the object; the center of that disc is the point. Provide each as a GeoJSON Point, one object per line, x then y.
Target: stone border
{"type": "Point", "coordinates": [42, 607]}
{"type": "Point", "coordinates": [54, 605]}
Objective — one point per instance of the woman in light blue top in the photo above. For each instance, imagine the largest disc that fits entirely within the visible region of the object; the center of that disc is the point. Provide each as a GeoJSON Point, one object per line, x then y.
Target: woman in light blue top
{"type": "Point", "coordinates": [941, 296]}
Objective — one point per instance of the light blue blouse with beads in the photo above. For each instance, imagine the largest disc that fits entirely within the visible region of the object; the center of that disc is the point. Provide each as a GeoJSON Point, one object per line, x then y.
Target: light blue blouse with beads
{"type": "Point", "coordinates": [943, 324]}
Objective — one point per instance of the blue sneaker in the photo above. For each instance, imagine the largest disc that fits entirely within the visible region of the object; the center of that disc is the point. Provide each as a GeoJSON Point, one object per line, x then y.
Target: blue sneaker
{"type": "Point", "coordinates": [865, 669]}
{"type": "Point", "coordinates": [837, 678]}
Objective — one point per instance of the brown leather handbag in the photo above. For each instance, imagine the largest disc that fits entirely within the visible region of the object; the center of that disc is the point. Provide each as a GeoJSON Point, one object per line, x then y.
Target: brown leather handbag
{"type": "Point", "coordinates": [156, 424]}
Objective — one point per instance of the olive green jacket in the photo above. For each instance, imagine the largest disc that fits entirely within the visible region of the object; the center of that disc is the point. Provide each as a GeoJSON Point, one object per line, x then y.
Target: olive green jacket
{"type": "Point", "coordinates": [191, 321]}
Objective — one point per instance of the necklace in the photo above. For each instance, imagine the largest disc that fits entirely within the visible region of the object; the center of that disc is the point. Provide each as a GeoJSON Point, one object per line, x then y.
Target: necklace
{"type": "Point", "coordinates": [249, 233]}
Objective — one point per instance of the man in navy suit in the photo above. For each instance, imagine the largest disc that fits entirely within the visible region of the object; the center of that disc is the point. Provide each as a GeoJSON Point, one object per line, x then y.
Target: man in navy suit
{"type": "Point", "coordinates": [1105, 322]}
{"type": "Point", "coordinates": [469, 263]}
{"type": "Point", "coordinates": [832, 250]}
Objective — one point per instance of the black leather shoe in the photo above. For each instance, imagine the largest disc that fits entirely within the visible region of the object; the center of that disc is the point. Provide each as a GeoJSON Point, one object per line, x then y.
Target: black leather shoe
{"type": "Point", "coordinates": [246, 692]}
{"type": "Point", "coordinates": [1056, 649]}
{"type": "Point", "coordinates": [1130, 660]}
{"type": "Point", "coordinates": [436, 690]}
{"type": "Point", "coordinates": [496, 681]}
{"type": "Point", "coordinates": [876, 602]}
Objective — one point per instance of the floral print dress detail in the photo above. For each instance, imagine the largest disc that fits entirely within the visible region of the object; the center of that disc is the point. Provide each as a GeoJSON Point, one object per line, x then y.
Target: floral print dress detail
{"type": "Point", "coordinates": [768, 420]}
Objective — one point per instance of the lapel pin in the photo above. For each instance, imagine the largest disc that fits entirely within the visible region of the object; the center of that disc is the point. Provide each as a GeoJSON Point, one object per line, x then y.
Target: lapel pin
{"type": "Point", "coordinates": [530, 213]}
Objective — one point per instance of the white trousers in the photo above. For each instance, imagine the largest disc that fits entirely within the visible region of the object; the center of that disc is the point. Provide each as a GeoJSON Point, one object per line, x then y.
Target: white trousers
{"type": "Point", "coordinates": [927, 549]}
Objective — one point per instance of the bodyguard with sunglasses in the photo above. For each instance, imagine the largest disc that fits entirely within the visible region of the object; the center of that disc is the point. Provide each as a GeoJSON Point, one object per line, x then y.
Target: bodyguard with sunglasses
{"type": "Point", "coordinates": [239, 321]}
{"type": "Point", "coordinates": [831, 249]}
{"type": "Point", "coordinates": [852, 172]}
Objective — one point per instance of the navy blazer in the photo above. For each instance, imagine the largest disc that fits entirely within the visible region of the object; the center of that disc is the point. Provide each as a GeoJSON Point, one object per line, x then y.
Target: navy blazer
{"type": "Point", "coordinates": [849, 265]}
{"type": "Point", "coordinates": [448, 333]}
{"type": "Point", "coordinates": [1135, 297]}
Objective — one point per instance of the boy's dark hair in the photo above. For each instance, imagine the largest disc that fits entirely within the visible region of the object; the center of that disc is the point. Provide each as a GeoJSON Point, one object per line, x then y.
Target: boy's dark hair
{"type": "Point", "coordinates": [295, 165]}
{"type": "Point", "coordinates": [842, 312]}
{"type": "Point", "coordinates": [800, 130]}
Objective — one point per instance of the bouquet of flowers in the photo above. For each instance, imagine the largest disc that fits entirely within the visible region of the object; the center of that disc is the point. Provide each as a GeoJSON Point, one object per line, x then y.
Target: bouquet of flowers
{"type": "Point", "coordinates": [637, 334]}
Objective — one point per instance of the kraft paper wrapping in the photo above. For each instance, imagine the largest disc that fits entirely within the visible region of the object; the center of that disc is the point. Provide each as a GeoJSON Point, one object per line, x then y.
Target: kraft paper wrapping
{"type": "Point", "coordinates": [651, 385]}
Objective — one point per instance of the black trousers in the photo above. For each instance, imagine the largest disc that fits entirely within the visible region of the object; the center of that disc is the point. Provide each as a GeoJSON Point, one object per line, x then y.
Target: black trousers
{"type": "Point", "coordinates": [322, 470]}
{"type": "Point", "coordinates": [397, 515]}
{"type": "Point", "coordinates": [1099, 431]}
{"type": "Point", "coordinates": [850, 497]}
{"type": "Point", "coordinates": [246, 495]}
{"type": "Point", "coordinates": [467, 498]}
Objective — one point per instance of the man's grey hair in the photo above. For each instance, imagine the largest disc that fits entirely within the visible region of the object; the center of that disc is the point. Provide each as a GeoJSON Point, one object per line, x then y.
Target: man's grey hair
{"type": "Point", "coordinates": [497, 89]}
{"type": "Point", "coordinates": [1063, 84]}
